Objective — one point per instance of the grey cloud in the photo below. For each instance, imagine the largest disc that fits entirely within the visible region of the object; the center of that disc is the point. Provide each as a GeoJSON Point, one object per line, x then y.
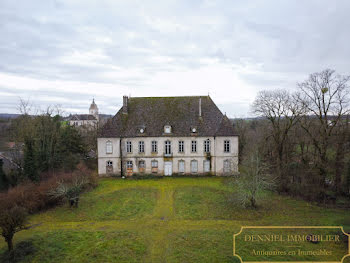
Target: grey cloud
{"type": "Point", "coordinates": [287, 39]}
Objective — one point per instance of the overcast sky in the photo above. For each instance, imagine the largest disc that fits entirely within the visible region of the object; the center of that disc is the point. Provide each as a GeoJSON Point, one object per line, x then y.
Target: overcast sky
{"type": "Point", "coordinates": [68, 52]}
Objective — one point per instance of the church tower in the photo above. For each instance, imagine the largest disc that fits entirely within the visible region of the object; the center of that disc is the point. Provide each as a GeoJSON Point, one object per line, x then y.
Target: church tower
{"type": "Point", "coordinates": [93, 109]}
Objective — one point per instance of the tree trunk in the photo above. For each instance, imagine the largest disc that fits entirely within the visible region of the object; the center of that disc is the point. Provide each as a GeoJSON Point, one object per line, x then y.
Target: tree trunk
{"type": "Point", "coordinates": [9, 241]}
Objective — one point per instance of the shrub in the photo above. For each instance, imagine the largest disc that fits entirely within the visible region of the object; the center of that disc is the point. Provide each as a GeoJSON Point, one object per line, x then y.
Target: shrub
{"type": "Point", "coordinates": [34, 197]}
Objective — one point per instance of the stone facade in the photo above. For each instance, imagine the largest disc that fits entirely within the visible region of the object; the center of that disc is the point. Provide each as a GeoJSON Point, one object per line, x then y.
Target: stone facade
{"type": "Point", "coordinates": [191, 136]}
{"type": "Point", "coordinates": [216, 157]}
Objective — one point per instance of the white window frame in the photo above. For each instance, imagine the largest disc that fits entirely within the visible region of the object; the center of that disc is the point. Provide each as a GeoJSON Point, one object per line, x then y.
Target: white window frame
{"type": "Point", "coordinates": [227, 146]}
{"type": "Point", "coordinates": [194, 171]}
{"type": "Point", "coordinates": [109, 147]}
{"type": "Point", "coordinates": [204, 167]}
{"type": "Point", "coordinates": [183, 167]}
{"type": "Point", "coordinates": [193, 146]}
{"type": "Point", "coordinates": [167, 129]}
{"type": "Point", "coordinates": [167, 147]}
{"type": "Point", "coordinates": [129, 164]}
{"type": "Point", "coordinates": [128, 147]}
{"type": "Point", "coordinates": [207, 146]}
{"type": "Point", "coordinates": [154, 147]}
{"type": "Point", "coordinates": [227, 166]}
{"type": "Point", "coordinates": [141, 147]}
{"type": "Point", "coordinates": [154, 164]}
{"type": "Point", "coordinates": [144, 164]}
{"type": "Point", "coordinates": [181, 146]}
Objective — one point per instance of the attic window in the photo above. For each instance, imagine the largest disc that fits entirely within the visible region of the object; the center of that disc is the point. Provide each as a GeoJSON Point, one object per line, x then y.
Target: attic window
{"type": "Point", "coordinates": [193, 129]}
{"type": "Point", "coordinates": [167, 129]}
{"type": "Point", "coordinates": [142, 130]}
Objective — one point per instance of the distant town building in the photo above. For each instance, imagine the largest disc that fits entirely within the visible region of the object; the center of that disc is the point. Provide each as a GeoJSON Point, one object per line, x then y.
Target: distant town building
{"type": "Point", "coordinates": [89, 120]}
{"type": "Point", "coordinates": [166, 136]}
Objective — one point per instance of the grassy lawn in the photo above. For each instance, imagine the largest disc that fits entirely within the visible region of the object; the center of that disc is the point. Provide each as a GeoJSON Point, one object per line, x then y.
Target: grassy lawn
{"type": "Point", "coordinates": [159, 220]}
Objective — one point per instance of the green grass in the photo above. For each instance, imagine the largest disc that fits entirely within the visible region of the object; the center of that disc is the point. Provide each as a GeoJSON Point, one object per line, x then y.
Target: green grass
{"type": "Point", "coordinates": [160, 220]}
{"type": "Point", "coordinates": [127, 203]}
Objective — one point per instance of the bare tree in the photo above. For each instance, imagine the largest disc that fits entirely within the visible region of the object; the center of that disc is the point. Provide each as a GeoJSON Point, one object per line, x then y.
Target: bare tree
{"type": "Point", "coordinates": [325, 95]}
{"type": "Point", "coordinates": [12, 220]}
{"type": "Point", "coordinates": [280, 109]}
{"type": "Point", "coordinates": [255, 178]}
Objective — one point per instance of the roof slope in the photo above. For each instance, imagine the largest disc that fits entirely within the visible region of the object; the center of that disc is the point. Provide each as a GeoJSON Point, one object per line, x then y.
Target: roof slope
{"type": "Point", "coordinates": [181, 113]}
{"type": "Point", "coordinates": [82, 117]}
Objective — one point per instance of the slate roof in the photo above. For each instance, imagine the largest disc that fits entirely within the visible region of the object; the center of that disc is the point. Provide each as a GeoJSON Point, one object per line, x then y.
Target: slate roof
{"type": "Point", "coordinates": [181, 113]}
{"type": "Point", "coordinates": [82, 117]}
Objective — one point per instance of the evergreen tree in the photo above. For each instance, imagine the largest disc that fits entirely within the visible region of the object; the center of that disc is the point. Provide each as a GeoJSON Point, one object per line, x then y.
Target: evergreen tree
{"type": "Point", "coordinates": [30, 167]}
{"type": "Point", "coordinates": [3, 178]}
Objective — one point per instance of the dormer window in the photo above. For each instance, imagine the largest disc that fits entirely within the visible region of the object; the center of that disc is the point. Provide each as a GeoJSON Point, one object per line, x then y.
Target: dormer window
{"type": "Point", "coordinates": [167, 129]}
{"type": "Point", "coordinates": [141, 129]}
{"type": "Point", "coordinates": [193, 129]}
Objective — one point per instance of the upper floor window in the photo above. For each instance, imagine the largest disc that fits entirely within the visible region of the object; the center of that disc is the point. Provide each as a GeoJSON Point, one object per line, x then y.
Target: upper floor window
{"type": "Point", "coordinates": [109, 147]}
{"type": "Point", "coordinates": [154, 147]}
{"type": "Point", "coordinates": [167, 147]}
{"type": "Point", "coordinates": [226, 146]}
{"type": "Point", "coordinates": [194, 146]}
{"type": "Point", "coordinates": [207, 146]}
{"type": "Point", "coordinates": [167, 129]}
{"type": "Point", "coordinates": [181, 146]}
{"type": "Point", "coordinates": [128, 147]}
{"type": "Point", "coordinates": [141, 147]}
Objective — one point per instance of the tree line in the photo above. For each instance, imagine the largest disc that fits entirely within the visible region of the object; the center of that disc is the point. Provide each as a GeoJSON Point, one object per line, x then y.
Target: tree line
{"type": "Point", "coordinates": [303, 137]}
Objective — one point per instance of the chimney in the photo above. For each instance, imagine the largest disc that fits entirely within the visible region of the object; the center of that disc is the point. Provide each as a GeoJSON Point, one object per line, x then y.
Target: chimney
{"type": "Point", "coordinates": [200, 107]}
{"type": "Point", "coordinates": [125, 104]}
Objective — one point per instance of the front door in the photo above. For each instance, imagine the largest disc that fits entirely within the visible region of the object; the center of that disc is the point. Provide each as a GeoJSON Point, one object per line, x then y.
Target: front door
{"type": "Point", "coordinates": [168, 168]}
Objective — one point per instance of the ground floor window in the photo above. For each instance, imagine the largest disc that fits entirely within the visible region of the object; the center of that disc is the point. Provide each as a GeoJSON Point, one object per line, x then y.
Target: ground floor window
{"type": "Point", "coordinates": [194, 166]}
{"type": "Point", "coordinates": [181, 166]}
{"type": "Point", "coordinates": [129, 167]}
{"type": "Point", "coordinates": [154, 165]}
{"type": "Point", "coordinates": [109, 167]}
{"type": "Point", "coordinates": [227, 166]}
{"type": "Point", "coordinates": [206, 166]}
{"type": "Point", "coordinates": [142, 166]}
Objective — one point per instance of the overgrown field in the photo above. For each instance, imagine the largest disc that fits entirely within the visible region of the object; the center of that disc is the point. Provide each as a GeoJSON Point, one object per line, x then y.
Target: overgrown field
{"type": "Point", "coordinates": [159, 220]}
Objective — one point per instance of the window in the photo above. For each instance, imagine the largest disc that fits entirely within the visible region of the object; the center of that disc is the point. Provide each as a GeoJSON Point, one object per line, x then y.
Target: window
{"type": "Point", "coordinates": [206, 166]}
{"type": "Point", "coordinates": [227, 166]}
{"type": "Point", "coordinates": [181, 146]}
{"type": "Point", "coordinates": [207, 146]}
{"type": "Point", "coordinates": [141, 147]}
{"type": "Point", "coordinates": [129, 167]}
{"type": "Point", "coordinates": [194, 166]}
{"type": "Point", "coordinates": [109, 168]}
{"type": "Point", "coordinates": [129, 164]}
{"type": "Point", "coordinates": [167, 147]}
{"type": "Point", "coordinates": [181, 166]}
{"type": "Point", "coordinates": [142, 166]}
{"type": "Point", "coordinates": [109, 147]}
{"type": "Point", "coordinates": [226, 146]}
{"type": "Point", "coordinates": [154, 164]}
{"type": "Point", "coordinates": [128, 147]}
{"type": "Point", "coordinates": [167, 129]}
{"type": "Point", "coordinates": [154, 147]}
{"type": "Point", "coordinates": [194, 146]}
